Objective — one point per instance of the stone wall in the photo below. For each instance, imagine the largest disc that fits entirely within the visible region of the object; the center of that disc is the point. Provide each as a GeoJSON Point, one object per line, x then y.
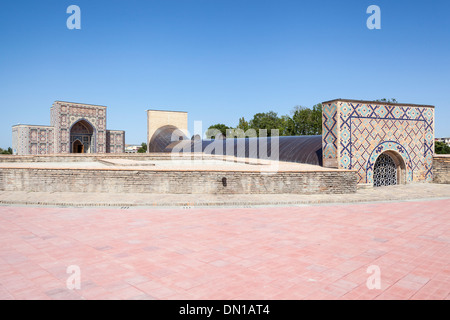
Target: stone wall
{"type": "Point", "coordinates": [93, 157]}
{"type": "Point", "coordinates": [441, 169]}
{"type": "Point", "coordinates": [175, 182]}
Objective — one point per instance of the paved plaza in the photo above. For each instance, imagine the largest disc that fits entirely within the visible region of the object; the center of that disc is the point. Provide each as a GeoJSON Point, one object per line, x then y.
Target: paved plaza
{"type": "Point", "coordinates": [278, 252]}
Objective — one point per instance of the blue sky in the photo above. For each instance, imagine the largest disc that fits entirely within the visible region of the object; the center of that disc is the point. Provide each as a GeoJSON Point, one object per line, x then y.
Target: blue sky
{"type": "Point", "coordinates": [219, 60]}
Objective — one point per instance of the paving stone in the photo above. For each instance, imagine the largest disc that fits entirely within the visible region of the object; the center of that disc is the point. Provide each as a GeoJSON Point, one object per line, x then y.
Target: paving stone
{"type": "Point", "coordinates": [301, 252]}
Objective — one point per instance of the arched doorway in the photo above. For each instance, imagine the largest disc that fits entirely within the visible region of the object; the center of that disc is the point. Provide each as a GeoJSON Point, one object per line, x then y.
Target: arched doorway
{"type": "Point", "coordinates": [389, 169]}
{"type": "Point", "coordinates": [77, 147]}
{"type": "Point", "coordinates": [81, 135]}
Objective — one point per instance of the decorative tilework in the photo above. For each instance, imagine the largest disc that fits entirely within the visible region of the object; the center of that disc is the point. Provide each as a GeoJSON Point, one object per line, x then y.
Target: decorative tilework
{"type": "Point", "coordinates": [389, 146]}
{"type": "Point", "coordinates": [115, 141]}
{"type": "Point", "coordinates": [329, 131]}
{"type": "Point", "coordinates": [58, 138]}
{"type": "Point", "coordinates": [366, 130]}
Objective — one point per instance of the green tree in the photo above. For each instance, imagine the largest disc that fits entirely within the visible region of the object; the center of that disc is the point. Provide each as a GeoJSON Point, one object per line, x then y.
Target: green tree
{"type": "Point", "coordinates": [211, 132]}
{"type": "Point", "coordinates": [301, 118]}
{"type": "Point", "coordinates": [441, 148]}
{"type": "Point", "coordinates": [268, 120]}
{"type": "Point", "coordinates": [7, 151]}
{"type": "Point", "coordinates": [307, 121]}
{"type": "Point", "coordinates": [287, 127]}
{"type": "Point", "coordinates": [143, 148]}
{"type": "Point", "coordinates": [243, 125]}
{"type": "Point", "coordinates": [316, 119]}
{"type": "Point", "coordinates": [304, 121]}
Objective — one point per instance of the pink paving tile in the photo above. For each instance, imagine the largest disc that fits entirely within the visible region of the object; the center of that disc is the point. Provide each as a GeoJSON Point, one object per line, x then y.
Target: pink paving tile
{"type": "Point", "coordinates": [4, 294]}
{"type": "Point", "coordinates": [137, 279]}
{"type": "Point", "coordinates": [317, 252]}
{"type": "Point", "coordinates": [63, 294]}
{"type": "Point", "coordinates": [94, 293]}
{"type": "Point", "coordinates": [148, 297]}
{"type": "Point", "coordinates": [127, 293]}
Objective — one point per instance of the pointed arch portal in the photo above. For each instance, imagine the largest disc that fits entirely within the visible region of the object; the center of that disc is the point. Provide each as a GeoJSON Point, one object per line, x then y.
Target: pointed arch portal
{"type": "Point", "coordinates": [81, 135]}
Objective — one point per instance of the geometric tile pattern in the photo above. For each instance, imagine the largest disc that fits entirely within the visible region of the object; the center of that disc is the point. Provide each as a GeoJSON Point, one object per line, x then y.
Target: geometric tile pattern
{"type": "Point", "coordinates": [381, 148]}
{"type": "Point", "coordinates": [330, 130]}
{"type": "Point", "coordinates": [365, 130]}
{"type": "Point", "coordinates": [35, 140]}
{"type": "Point", "coordinates": [115, 141]}
{"type": "Point", "coordinates": [66, 115]}
{"type": "Point", "coordinates": [59, 137]}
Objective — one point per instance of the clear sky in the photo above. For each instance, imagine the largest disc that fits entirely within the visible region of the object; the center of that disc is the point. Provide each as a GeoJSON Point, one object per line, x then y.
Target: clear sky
{"type": "Point", "coordinates": [219, 60]}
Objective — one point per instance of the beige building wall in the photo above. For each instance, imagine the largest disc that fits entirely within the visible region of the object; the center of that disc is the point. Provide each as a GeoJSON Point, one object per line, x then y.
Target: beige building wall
{"type": "Point", "coordinates": [157, 119]}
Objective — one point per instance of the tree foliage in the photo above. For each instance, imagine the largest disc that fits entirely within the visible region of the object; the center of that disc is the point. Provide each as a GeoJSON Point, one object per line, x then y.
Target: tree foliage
{"type": "Point", "coordinates": [266, 121]}
{"type": "Point", "coordinates": [243, 125]}
{"type": "Point", "coordinates": [307, 121]}
{"type": "Point", "coordinates": [212, 131]}
{"type": "Point", "coordinates": [441, 148]}
{"type": "Point", "coordinates": [304, 121]}
{"type": "Point", "coordinates": [7, 151]}
{"type": "Point", "coordinates": [143, 148]}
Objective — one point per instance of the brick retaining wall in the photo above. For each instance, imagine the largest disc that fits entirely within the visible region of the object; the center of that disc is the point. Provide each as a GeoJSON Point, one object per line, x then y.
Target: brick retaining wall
{"type": "Point", "coordinates": [441, 169]}
{"type": "Point", "coordinates": [175, 182]}
{"type": "Point", "coordinates": [85, 157]}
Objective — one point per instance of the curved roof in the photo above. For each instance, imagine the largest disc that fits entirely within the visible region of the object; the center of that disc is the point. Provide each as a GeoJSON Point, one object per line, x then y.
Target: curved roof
{"type": "Point", "coordinates": [301, 149]}
{"type": "Point", "coordinates": [165, 136]}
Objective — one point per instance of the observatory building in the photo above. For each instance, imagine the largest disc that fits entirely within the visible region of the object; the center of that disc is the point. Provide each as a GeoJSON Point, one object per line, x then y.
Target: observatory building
{"type": "Point", "coordinates": [386, 143]}
{"type": "Point", "coordinates": [75, 128]}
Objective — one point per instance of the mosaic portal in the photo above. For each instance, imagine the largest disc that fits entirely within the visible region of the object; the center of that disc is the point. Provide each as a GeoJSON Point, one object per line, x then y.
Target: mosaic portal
{"type": "Point", "coordinates": [356, 133]}
{"type": "Point", "coordinates": [75, 128]}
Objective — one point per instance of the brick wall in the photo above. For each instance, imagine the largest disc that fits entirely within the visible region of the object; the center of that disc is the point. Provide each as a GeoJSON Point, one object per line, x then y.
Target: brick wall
{"type": "Point", "coordinates": [441, 169]}
{"type": "Point", "coordinates": [185, 182]}
{"type": "Point", "coordinates": [87, 157]}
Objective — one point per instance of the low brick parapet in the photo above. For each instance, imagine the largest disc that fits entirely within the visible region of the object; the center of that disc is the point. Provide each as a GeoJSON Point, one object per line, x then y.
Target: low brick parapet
{"type": "Point", "coordinates": [441, 169]}
{"type": "Point", "coordinates": [176, 182]}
